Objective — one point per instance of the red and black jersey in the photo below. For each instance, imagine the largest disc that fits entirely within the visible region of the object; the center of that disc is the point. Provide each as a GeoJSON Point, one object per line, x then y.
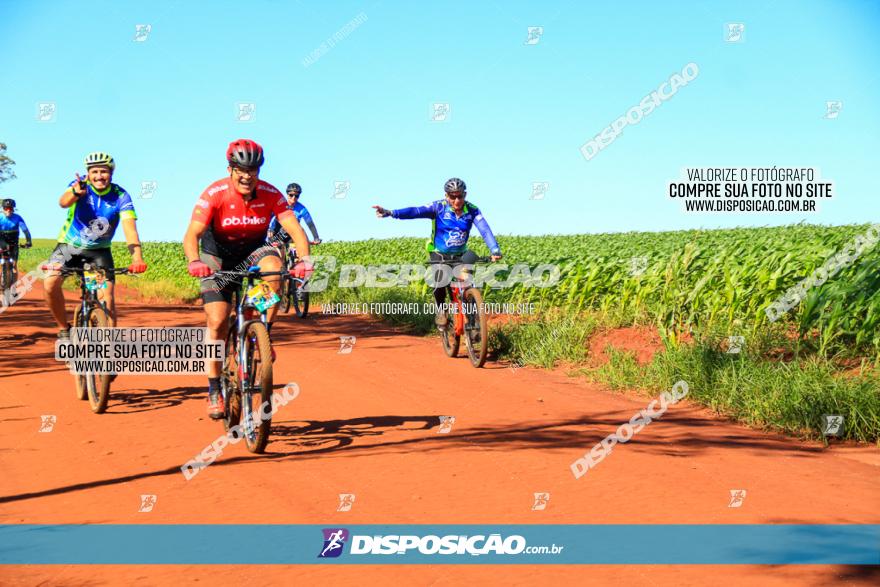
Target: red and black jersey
{"type": "Point", "coordinates": [237, 227]}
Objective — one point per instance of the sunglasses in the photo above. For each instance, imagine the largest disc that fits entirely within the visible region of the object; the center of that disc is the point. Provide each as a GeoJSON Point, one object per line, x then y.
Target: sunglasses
{"type": "Point", "coordinates": [244, 171]}
{"type": "Point", "coordinates": [455, 196]}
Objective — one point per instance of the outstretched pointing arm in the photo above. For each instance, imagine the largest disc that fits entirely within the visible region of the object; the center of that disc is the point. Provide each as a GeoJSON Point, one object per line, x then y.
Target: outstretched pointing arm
{"type": "Point", "coordinates": [487, 235]}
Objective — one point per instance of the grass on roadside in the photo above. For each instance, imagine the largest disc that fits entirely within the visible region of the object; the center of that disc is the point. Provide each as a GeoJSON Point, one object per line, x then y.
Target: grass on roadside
{"type": "Point", "coordinates": [790, 396]}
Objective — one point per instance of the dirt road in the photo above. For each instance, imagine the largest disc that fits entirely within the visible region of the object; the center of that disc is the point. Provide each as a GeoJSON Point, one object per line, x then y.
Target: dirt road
{"type": "Point", "coordinates": [366, 423]}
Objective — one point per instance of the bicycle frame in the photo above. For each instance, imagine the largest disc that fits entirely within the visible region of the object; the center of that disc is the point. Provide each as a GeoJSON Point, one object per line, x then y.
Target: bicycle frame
{"type": "Point", "coordinates": [456, 292]}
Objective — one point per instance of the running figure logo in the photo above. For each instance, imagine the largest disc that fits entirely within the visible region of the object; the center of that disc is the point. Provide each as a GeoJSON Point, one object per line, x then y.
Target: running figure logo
{"type": "Point", "coordinates": [334, 540]}
{"type": "Point", "coordinates": [833, 425]}
{"type": "Point", "coordinates": [534, 35]}
{"type": "Point", "coordinates": [141, 32]}
{"type": "Point", "coordinates": [737, 497]}
{"type": "Point", "coordinates": [346, 500]}
{"type": "Point", "coordinates": [832, 109]}
{"type": "Point", "coordinates": [246, 112]}
{"type": "Point", "coordinates": [541, 500]}
{"type": "Point", "coordinates": [346, 344]}
{"type": "Point", "coordinates": [147, 503]}
{"type": "Point", "coordinates": [148, 188]}
{"type": "Point", "coordinates": [340, 189]}
{"type": "Point", "coordinates": [446, 423]}
{"type": "Point", "coordinates": [46, 111]}
{"type": "Point", "coordinates": [47, 423]}
{"type": "Point", "coordinates": [735, 344]}
{"type": "Point", "coordinates": [440, 111]}
{"type": "Point", "coordinates": [539, 190]}
{"type": "Point", "coordinates": [735, 32]}
{"type": "Point", "coordinates": [637, 266]}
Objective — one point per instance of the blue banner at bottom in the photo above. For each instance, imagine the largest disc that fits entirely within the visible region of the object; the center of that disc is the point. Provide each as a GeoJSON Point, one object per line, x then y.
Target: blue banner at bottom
{"type": "Point", "coordinates": [440, 544]}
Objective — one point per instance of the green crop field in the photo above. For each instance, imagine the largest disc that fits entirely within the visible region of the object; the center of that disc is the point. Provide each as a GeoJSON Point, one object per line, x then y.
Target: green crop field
{"type": "Point", "coordinates": [710, 280]}
{"type": "Point", "coordinates": [691, 281]}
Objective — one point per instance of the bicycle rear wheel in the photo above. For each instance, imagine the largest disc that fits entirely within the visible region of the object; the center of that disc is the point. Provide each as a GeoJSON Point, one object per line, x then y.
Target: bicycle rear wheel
{"type": "Point", "coordinates": [475, 327]}
{"type": "Point", "coordinates": [229, 380]}
{"type": "Point", "coordinates": [285, 295]}
{"type": "Point", "coordinates": [450, 340]}
{"type": "Point", "coordinates": [300, 298]}
{"type": "Point", "coordinates": [97, 384]}
{"type": "Point", "coordinates": [257, 389]}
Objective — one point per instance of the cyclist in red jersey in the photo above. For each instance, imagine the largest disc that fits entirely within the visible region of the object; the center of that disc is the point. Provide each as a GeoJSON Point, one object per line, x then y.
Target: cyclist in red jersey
{"type": "Point", "coordinates": [229, 221]}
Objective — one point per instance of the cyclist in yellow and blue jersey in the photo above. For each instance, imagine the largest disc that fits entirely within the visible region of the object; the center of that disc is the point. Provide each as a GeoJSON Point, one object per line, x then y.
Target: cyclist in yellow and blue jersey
{"type": "Point", "coordinates": [95, 207]}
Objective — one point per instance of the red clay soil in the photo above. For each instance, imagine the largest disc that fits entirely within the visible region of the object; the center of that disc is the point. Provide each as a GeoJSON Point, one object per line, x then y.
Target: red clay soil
{"type": "Point", "coordinates": [367, 423]}
{"type": "Point", "coordinates": [643, 341]}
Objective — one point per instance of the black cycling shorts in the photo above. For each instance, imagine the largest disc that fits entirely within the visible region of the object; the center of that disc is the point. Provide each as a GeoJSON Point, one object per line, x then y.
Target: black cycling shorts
{"type": "Point", "coordinates": [9, 240]}
{"type": "Point", "coordinates": [221, 290]}
{"type": "Point", "coordinates": [73, 257]}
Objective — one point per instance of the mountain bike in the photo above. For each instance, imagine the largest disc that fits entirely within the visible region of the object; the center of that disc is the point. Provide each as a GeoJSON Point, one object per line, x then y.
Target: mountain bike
{"type": "Point", "coordinates": [293, 293]}
{"type": "Point", "coordinates": [91, 312]}
{"type": "Point", "coordinates": [466, 316]}
{"type": "Point", "coordinates": [8, 272]}
{"type": "Point", "coordinates": [246, 378]}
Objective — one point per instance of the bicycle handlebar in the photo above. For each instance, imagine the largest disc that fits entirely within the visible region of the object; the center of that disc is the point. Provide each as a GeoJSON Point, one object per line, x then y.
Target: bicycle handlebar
{"type": "Point", "coordinates": [80, 270]}
{"type": "Point", "coordinates": [445, 261]}
{"type": "Point", "coordinates": [249, 273]}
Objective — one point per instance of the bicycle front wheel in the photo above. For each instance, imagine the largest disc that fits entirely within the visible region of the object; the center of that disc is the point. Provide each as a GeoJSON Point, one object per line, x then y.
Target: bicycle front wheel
{"type": "Point", "coordinates": [450, 340]}
{"type": "Point", "coordinates": [475, 327]}
{"type": "Point", "coordinates": [256, 393]}
{"type": "Point", "coordinates": [97, 384]}
{"type": "Point", "coordinates": [6, 276]}
{"type": "Point", "coordinates": [80, 380]}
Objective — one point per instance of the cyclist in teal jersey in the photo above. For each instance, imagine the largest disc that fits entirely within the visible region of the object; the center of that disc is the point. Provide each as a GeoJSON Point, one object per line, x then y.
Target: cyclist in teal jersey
{"type": "Point", "coordinates": [10, 225]}
{"type": "Point", "coordinates": [95, 207]}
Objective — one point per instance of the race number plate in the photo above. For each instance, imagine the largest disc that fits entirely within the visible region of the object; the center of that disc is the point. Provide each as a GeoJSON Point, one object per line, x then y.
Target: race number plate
{"type": "Point", "coordinates": [262, 296]}
{"type": "Point", "coordinates": [94, 281]}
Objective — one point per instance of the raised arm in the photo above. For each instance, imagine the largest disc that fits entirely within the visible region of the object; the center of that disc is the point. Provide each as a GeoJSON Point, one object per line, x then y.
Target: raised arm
{"type": "Point", "coordinates": [429, 211]}
{"type": "Point", "coordinates": [24, 229]}
{"type": "Point", "coordinates": [486, 233]}
{"type": "Point", "coordinates": [414, 212]}
{"type": "Point", "coordinates": [311, 224]}
{"type": "Point", "coordinates": [73, 193]}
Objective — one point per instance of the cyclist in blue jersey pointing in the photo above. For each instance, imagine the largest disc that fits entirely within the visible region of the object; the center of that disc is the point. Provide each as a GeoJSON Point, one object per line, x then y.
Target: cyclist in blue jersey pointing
{"type": "Point", "coordinates": [95, 207]}
{"type": "Point", "coordinates": [10, 224]}
{"type": "Point", "coordinates": [453, 219]}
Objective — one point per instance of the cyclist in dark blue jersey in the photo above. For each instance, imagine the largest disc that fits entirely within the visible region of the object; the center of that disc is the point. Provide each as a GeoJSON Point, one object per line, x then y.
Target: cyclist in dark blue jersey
{"type": "Point", "coordinates": [95, 208]}
{"type": "Point", "coordinates": [452, 222]}
{"type": "Point", "coordinates": [10, 225]}
{"type": "Point", "coordinates": [276, 231]}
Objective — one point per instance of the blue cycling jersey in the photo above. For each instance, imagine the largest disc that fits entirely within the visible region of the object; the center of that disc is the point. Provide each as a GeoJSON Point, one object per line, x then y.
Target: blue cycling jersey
{"type": "Point", "coordinates": [81, 230]}
{"type": "Point", "coordinates": [301, 215]}
{"type": "Point", "coordinates": [12, 223]}
{"type": "Point", "coordinates": [451, 232]}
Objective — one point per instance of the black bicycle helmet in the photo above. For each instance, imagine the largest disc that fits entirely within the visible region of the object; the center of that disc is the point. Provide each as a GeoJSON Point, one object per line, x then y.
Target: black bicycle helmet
{"type": "Point", "coordinates": [455, 184]}
{"type": "Point", "coordinates": [294, 188]}
{"type": "Point", "coordinates": [245, 153]}
{"type": "Point", "coordinates": [9, 203]}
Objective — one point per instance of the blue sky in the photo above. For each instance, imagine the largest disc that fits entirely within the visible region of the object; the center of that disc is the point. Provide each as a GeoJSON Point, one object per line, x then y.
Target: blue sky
{"type": "Point", "coordinates": [166, 107]}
